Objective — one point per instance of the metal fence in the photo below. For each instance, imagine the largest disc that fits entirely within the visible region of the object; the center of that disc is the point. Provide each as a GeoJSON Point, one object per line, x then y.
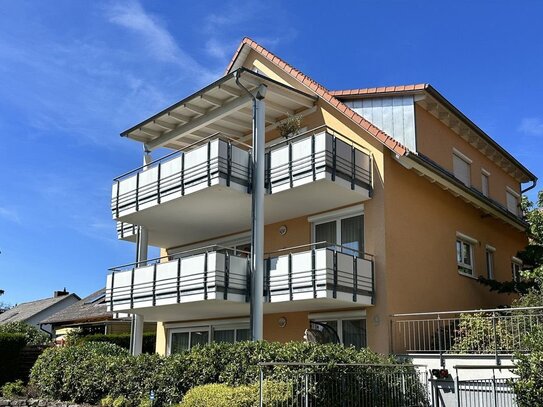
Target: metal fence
{"type": "Point", "coordinates": [487, 392]}
{"type": "Point", "coordinates": [342, 385]}
{"type": "Point", "coordinates": [492, 331]}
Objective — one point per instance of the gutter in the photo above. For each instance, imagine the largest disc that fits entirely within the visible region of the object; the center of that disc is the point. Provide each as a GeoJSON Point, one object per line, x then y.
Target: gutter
{"type": "Point", "coordinates": [47, 332]}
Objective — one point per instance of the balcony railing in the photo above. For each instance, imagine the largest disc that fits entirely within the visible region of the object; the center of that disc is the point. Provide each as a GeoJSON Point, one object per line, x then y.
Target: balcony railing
{"type": "Point", "coordinates": [492, 331]}
{"type": "Point", "coordinates": [211, 272]}
{"type": "Point", "coordinates": [203, 164]}
{"type": "Point", "coordinates": [318, 154]}
{"type": "Point", "coordinates": [321, 153]}
{"type": "Point", "coordinates": [319, 270]}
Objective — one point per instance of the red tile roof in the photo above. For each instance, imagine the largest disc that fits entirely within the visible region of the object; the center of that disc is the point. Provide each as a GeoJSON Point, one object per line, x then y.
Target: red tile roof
{"type": "Point", "coordinates": [323, 93]}
{"type": "Point", "coordinates": [379, 90]}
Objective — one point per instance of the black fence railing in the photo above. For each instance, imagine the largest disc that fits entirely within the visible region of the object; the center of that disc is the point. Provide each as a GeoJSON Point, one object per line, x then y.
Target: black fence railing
{"type": "Point", "coordinates": [177, 278]}
{"type": "Point", "coordinates": [342, 385]}
{"type": "Point", "coordinates": [301, 273]}
{"type": "Point", "coordinates": [300, 159]}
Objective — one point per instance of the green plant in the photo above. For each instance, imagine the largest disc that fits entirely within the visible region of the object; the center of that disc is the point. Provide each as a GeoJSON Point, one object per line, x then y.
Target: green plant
{"type": "Point", "coordinates": [13, 389]}
{"type": "Point", "coordinates": [107, 401]}
{"type": "Point", "coordinates": [32, 334]}
{"type": "Point", "coordinates": [529, 386]}
{"type": "Point", "coordinates": [290, 126]}
{"type": "Point", "coordinates": [122, 340]}
{"type": "Point", "coordinates": [121, 401]}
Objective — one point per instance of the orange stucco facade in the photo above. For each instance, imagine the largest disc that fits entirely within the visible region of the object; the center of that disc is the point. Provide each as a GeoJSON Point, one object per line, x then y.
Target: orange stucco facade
{"type": "Point", "coordinates": [410, 227]}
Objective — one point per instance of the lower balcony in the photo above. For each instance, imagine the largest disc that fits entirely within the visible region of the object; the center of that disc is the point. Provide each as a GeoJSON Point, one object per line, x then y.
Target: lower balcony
{"type": "Point", "coordinates": [214, 282]}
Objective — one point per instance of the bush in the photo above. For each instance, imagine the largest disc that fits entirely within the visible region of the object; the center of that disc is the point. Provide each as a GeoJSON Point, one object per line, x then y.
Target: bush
{"type": "Point", "coordinates": [11, 345]}
{"type": "Point", "coordinates": [32, 334]}
{"type": "Point", "coordinates": [13, 389]}
{"type": "Point", "coordinates": [529, 386]}
{"type": "Point", "coordinates": [122, 340]}
{"type": "Point", "coordinates": [91, 371]}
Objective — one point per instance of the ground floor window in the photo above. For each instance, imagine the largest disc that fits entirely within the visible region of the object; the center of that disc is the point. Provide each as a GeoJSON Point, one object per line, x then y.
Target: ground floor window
{"type": "Point", "coordinates": [182, 339]}
{"type": "Point", "coordinates": [516, 268]}
{"type": "Point", "coordinates": [349, 331]}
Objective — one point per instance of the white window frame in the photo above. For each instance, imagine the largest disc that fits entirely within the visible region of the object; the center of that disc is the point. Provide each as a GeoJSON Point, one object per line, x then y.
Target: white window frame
{"type": "Point", "coordinates": [339, 318]}
{"type": "Point", "coordinates": [210, 326]}
{"type": "Point", "coordinates": [490, 271]}
{"type": "Point", "coordinates": [462, 238]}
{"type": "Point", "coordinates": [467, 160]}
{"type": "Point", "coordinates": [516, 262]}
{"type": "Point", "coordinates": [485, 175]}
{"type": "Point", "coordinates": [191, 329]}
{"type": "Point", "coordinates": [337, 216]}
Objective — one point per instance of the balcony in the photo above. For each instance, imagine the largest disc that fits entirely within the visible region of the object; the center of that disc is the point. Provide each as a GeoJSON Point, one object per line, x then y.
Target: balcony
{"type": "Point", "coordinates": [210, 274]}
{"type": "Point", "coordinates": [213, 282]}
{"type": "Point", "coordinates": [320, 273]}
{"type": "Point", "coordinates": [207, 184]}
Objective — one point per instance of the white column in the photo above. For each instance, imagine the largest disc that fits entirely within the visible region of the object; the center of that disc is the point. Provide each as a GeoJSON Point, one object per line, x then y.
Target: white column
{"type": "Point", "coordinates": [136, 339]}
{"type": "Point", "coordinates": [257, 252]}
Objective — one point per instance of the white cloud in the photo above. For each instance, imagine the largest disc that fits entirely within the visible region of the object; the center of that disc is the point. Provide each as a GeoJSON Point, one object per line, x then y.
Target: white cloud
{"type": "Point", "coordinates": [10, 214]}
{"type": "Point", "coordinates": [532, 126]}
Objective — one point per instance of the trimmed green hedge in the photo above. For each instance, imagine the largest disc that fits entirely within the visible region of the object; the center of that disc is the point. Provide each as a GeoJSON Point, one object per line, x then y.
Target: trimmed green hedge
{"type": "Point", "coordinates": [92, 371]}
{"type": "Point", "coordinates": [11, 345]}
{"type": "Point", "coordinates": [529, 386]}
{"type": "Point", "coordinates": [122, 340]}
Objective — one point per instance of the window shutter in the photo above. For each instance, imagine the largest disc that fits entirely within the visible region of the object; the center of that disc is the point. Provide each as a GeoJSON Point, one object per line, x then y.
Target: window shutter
{"type": "Point", "coordinates": [461, 170]}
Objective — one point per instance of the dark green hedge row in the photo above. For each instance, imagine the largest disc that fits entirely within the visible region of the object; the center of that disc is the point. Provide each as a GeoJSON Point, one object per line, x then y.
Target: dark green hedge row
{"type": "Point", "coordinates": [10, 350]}
{"type": "Point", "coordinates": [92, 371]}
{"type": "Point", "coordinates": [122, 340]}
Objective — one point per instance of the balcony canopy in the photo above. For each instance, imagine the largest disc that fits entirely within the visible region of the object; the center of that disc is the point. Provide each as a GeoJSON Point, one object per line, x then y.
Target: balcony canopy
{"type": "Point", "coordinates": [221, 107]}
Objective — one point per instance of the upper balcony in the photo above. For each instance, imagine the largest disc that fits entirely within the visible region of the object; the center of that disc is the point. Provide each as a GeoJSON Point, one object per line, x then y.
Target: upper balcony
{"type": "Point", "coordinates": [209, 182]}
{"type": "Point", "coordinates": [213, 281]}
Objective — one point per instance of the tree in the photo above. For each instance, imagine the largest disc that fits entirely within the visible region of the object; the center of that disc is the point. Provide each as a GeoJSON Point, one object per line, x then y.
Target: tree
{"type": "Point", "coordinates": [531, 256]}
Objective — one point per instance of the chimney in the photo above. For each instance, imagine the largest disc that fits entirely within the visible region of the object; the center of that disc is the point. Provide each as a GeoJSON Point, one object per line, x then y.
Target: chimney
{"type": "Point", "coordinates": [60, 293]}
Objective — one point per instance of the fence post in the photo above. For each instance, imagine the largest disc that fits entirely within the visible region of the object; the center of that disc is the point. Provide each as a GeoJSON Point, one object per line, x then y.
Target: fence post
{"type": "Point", "coordinates": [494, 329]}
{"type": "Point", "coordinates": [260, 386]}
{"type": "Point", "coordinates": [457, 385]}
{"type": "Point", "coordinates": [441, 360]}
{"type": "Point", "coordinates": [494, 395]}
{"type": "Point", "coordinates": [306, 390]}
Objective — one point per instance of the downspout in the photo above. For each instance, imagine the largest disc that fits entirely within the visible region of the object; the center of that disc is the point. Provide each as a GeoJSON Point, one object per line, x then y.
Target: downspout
{"type": "Point", "coordinates": [534, 183]}
{"type": "Point", "coordinates": [257, 210]}
{"type": "Point", "coordinates": [47, 332]}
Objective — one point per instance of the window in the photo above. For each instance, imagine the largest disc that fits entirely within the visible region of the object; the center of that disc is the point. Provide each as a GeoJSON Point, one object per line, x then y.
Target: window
{"type": "Point", "coordinates": [464, 255]}
{"type": "Point", "coordinates": [347, 232]}
{"type": "Point", "coordinates": [484, 182]}
{"type": "Point", "coordinates": [462, 167]}
{"type": "Point", "coordinates": [490, 262]}
{"type": "Point", "coordinates": [516, 268]}
{"type": "Point", "coordinates": [182, 339]}
{"type": "Point", "coordinates": [512, 201]}
{"type": "Point", "coordinates": [350, 331]}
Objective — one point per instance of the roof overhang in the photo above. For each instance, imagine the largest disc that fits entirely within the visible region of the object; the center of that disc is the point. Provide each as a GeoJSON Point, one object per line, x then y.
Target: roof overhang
{"type": "Point", "coordinates": [425, 167]}
{"type": "Point", "coordinates": [222, 107]}
{"type": "Point", "coordinates": [427, 97]}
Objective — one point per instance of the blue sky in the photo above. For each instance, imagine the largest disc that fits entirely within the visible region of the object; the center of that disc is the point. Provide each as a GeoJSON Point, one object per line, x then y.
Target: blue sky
{"type": "Point", "coordinates": [74, 74]}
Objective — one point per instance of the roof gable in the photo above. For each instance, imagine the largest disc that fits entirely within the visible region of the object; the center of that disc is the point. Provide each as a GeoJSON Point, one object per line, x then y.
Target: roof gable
{"type": "Point", "coordinates": [248, 44]}
{"type": "Point", "coordinates": [27, 310]}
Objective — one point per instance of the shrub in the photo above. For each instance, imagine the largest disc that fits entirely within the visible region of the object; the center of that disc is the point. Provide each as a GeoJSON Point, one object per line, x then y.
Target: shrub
{"type": "Point", "coordinates": [11, 345]}
{"type": "Point", "coordinates": [32, 334]}
{"type": "Point", "coordinates": [122, 340]}
{"type": "Point", "coordinates": [91, 371]}
{"type": "Point", "coordinates": [13, 389]}
{"type": "Point", "coordinates": [529, 386]}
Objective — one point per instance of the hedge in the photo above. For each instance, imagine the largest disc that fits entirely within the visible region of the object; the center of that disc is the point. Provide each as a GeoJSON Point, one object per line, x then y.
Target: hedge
{"type": "Point", "coordinates": [529, 386]}
{"type": "Point", "coordinates": [10, 350]}
{"type": "Point", "coordinates": [32, 334]}
{"type": "Point", "coordinates": [92, 371]}
{"type": "Point", "coordinates": [122, 340]}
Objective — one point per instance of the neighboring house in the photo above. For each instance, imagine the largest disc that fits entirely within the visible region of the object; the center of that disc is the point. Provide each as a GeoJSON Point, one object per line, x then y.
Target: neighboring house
{"type": "Point", "coordinates": [387, 200]}
{"type": "Point", "coordinates": [91, 316]}
{"type": "Point", "coordinates": [35, 312]}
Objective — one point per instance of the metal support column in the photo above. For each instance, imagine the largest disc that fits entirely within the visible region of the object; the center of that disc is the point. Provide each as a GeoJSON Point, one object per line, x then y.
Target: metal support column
{"type": "Point", "coordinates": [257, 235]}
{"type": "Point", "coordinates": [136, 338]}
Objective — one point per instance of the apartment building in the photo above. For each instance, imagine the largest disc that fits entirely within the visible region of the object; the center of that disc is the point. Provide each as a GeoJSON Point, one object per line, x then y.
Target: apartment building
{"type": "Point", "coordinates": [386, 200]}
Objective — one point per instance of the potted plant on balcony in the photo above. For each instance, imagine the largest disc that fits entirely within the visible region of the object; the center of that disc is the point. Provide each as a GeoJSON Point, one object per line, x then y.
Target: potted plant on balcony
{"type": "Point", "coordinates": [290, 126]}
